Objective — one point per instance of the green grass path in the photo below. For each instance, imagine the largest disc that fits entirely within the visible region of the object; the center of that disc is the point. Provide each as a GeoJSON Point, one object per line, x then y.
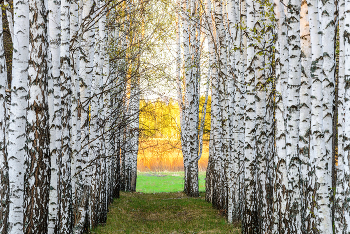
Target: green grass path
{"type": "Point", "coordinates": [171, 211]}
{"type": "Point", "coordinates": [163, 213]}
{"type": "Point", "coordinates": [158, 182]}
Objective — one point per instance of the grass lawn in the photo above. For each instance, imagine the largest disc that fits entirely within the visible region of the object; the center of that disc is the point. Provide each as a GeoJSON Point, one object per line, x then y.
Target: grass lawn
{"type": "Point", "coordinates": [158, 182]}
{"type": "Point", "coordinates": [163, 213]}
{"type": "Point", "coordinates": [160, 207]}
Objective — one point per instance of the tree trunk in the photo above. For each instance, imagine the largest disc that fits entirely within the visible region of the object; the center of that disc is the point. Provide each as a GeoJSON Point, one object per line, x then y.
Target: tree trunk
{"type": "Point", "coordinates": [320, 178]}
{"type": "Point", "coordinates": [37, 162]}
{"type": "Point", "coordinates": [17, 122]}
{"type": "Point", "coordinates": [3, 136]}
{"type": "Point", "coordinates": [65, 204]}
{"type": "Point", "coordinates": [54, 105]}
{"type": "Point", "coordinates": [341, 212]}
{"type": "Point", "coordinates": [305, 104]}
{"type": "Point", "coordinates": [281, 182]}
{"type": "Point", "coordinates": [293, 116]}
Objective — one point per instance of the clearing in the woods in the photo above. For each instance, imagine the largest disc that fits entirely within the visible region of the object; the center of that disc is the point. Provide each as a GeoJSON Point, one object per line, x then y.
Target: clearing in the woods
{"type": "Point", "coordinates": [172, 212]}
{"type": "Point", "coordinates": [160, 182]}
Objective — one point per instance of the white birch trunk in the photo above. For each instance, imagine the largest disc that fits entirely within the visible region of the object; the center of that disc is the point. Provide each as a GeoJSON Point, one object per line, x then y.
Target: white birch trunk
{"type": "Point", "coordinates": [106, 83]}
{"type": "Point", "coordinates": [328, 9]}
{"type": "Point", "coordinates": [341, 209]}
{"type": "Point", "coordinates": [216, 131]}
{"type": "Point", "coordinates": [85, 73]}
{"type": "Point", "coordinates": [281, 182]}
{"type": "Point", "coordinates": [233, 178]}
{"type": "Point", "coordinates": [75, 118]}
{"type": "Point", "coordinates": [261, 84]}
{"type": "Point", "coordinates": [225, 88]}
{"type": "Point", "coordinates": [17, 122]}
{"type": "Point", "coordinates": [37, 162]}
{"type": "Point", "coordinates": [250, 224]}
{"type": "Point", "coordinates": [54, 30]}
{"type": "Point", "coordinates": [65, 204]}
{"type": "Point", "coordinates": [293, 116]}
{"type": "Point", "coordinates": [134, 138]}
{"type": "Point", "coordinates": [242, 65]}
{"type": "Point", "coordinates": [321, 220]}
{"type": "Point", "coordinates": [94, 138]}
{"type": "Point", "coordinates": [305, 104]}
{"type": "Point", "coordinates": [186, 74]}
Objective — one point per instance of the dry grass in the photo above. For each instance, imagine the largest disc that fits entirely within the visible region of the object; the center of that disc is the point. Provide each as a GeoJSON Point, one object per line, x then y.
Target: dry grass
{"type": "Point", "coordinates": [160, 154]}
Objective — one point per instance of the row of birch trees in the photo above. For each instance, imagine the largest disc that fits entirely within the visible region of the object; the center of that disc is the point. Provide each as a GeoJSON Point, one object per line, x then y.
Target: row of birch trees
{"type": "Point", "coordinates": [189, 76]}
{"type": "Point", "coordinates": [280, 135]}
{"type": "Point", "coordinates": [68, 111]}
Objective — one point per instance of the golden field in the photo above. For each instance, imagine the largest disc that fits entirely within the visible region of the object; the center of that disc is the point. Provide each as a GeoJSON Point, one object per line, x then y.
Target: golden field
{"type": "Point", "coordinates": [162, 154]}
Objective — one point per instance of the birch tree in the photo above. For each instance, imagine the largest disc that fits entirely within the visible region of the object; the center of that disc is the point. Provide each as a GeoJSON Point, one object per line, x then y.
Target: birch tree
{"type": "Point", "coordinates": [108, 176]}
{"type": "Point", "coordinates": [54, 103]}
{"type": "Point", "coordinates": [85, 72]}
{"type": "Point", "coordinates": [188, 94]}
{"type": "Point", "coordinates": [305, 102]}
{"type": "Point", "coordinates": [250, 206]}
{"type": "Point", "coordinates": [3, 136]}
{"type": "Point", "coordinates": [65, 204]}
{"type": "Point", "coordinates": [75, 117]}
{"type": "Point", "coordinates": [341, 212]}
{"type": "Point", "coordinates": [281, 182]}
{"type": "Point", "coordinates": [325, 175]}
{"type": "Point", "coordinates": [321, 177]}
{"type": "Point", "coordinates": [215, 133]}
{"type": "Point", "coordinates": [37, 162]}
{"type": "Point", "coordinates": [17, 122]}
{"type": "Point", "coordinates": [293, 114]}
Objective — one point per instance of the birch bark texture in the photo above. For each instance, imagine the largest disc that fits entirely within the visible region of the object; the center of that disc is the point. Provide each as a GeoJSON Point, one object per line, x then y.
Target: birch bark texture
{"type": "Point", "coordinates": [18, 113]}
{"type": "Point", "coordinates": [288, 118]}
{"type": "Point", "coordinates": [188, 92]}
{"type": "Point", "coordinates": [37, 162]}
{"type": "Point", "coordinates": [40, 141]}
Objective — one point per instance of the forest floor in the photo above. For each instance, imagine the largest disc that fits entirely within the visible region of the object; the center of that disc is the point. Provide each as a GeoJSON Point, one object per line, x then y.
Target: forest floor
{"type": "Point", "coordinates": [166, 212]}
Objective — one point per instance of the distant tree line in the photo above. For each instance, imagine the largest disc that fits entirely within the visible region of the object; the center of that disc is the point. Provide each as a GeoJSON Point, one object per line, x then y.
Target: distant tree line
{"type": "Point", "coordinates": [160, 119]}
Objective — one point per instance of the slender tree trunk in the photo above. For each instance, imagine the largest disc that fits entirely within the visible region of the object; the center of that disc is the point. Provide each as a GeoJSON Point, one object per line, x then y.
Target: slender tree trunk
{"type": "Point", "coordinates": [281, 182]}
{"type": "Point", "coordinates": [305, 104]}
{"type": "Point", "coordinates": [37, 162]}
{"type": "Point", "coordinates": [85, 66]}
{"type": "Point", "coordinates": [94, 138]}
{"type": "Point", "coordinates": [215, 133]}
{"type": "Point", "coordinates": [321, 221]}
{"type": "Point", "coordinates": [233, 178]}
{"type": "Point", "coordinates": [109, 135]}
{"type": "Point", "coordinates": [75, 112]}
{"type": "Point", "coordinates": [328, 30]}
{"type": "Point", "coordinates": [3, 136]}
{"type": "Point", "coordinates": [242, 65]}
{"type": "Point", "coordinates": [65, 204]}
{"type": "Point", "coordinates": [54, 105]}
{"type": "Point", "coordinates": [293, 115]}
{"type": "Point", "coordinates": [17, 123]}
{"type": "Point", "coordinates": [250, 222]}
{"type": "Point", "coordinates": [341, 213]}
{"type": "Point", "coordinates": [224, 89]}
